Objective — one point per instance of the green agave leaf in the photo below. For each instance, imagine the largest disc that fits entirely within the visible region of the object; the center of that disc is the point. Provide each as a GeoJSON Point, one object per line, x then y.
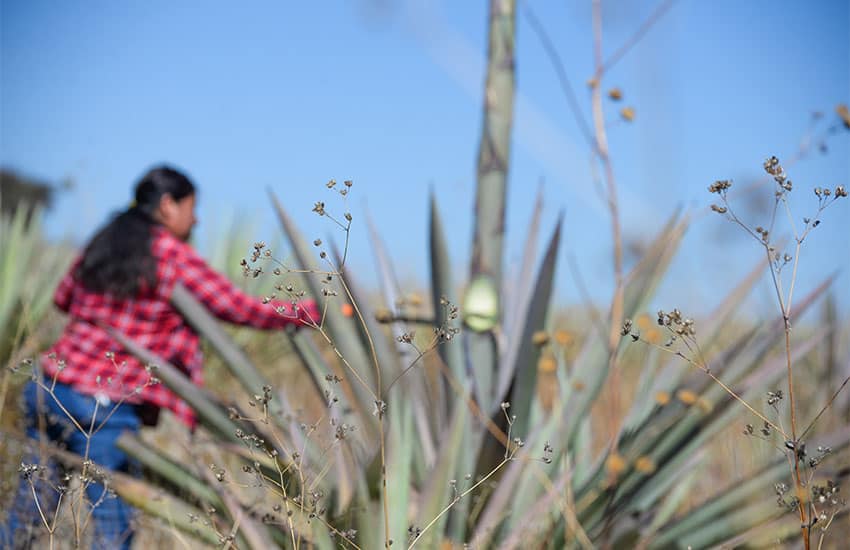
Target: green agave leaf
{"type": "Point", "coordinates": [687, 436]}
{"type": "Point", "coordinates": [436, 495]}
{"type": "Point", "coordinates": [18, 244]}
{"type": "Point", "coordinates": [413, 380]}
{"type": "Point", "coordinates": [518, 295]}
{"type": "Point", "coordinates": [236, 360]}
{"type": "Point", "coordinates": [401, 443]}
{"type": "Point", "coordinates": [525, 368]}
{"type": "Point", "coordinates": [591, 368]}
{"type": "Point", "coordinates": [168, 469]}
{"type": "Point", "coordinates": [442, 286]}
{"type": "Point", "coordinates": [738, 507]}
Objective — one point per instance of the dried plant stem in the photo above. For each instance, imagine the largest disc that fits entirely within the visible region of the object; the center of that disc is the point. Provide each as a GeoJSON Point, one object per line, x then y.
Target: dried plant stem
{"type": "Point", "coordinates": [719, 382]}
{"type": "Point", "coordinates": [379, 392]}
{"type": "Point", "coordinates": [616, 232]}
{"type": "Point", "coordinates": [641, 31]}
{"type": "Point", "coordinates": [459, 496]}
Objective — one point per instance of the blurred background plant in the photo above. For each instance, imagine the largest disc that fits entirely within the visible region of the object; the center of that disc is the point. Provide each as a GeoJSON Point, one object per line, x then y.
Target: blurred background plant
{"type": "Point", "coordinates": [474, 412]}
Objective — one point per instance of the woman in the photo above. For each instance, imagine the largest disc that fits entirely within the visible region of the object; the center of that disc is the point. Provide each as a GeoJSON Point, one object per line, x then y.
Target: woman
{"type": "Point", "coordinates": [123, 281]}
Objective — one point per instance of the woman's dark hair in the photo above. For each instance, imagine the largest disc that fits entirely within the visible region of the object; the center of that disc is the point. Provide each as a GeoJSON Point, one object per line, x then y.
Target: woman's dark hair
{"type": "Point", "coordinates": [118, 260]}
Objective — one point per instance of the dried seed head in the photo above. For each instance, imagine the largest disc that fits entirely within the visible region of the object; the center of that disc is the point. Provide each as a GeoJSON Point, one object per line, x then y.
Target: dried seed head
{"type": "Point", "coordinates": [547, 364]}
{"type": "Point", "coordinates": [563, 337]}
{"type": "Point", "coordinates": [615, 464]}
{"type": "Point", "coordinates": [645, 465]}
{"type": "Point", "coordinates": [540, 338]}
{"type": "Point", "coordinates": [687, 397]}
{"type": "Point", "coordinates": [615, 94]}
{"type": "Point", "coordinates": [720, 186]}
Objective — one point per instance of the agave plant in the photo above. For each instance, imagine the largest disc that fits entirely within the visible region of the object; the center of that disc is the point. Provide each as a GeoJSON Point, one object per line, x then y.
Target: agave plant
{"type": "Point", "coordinates": [397, 455]}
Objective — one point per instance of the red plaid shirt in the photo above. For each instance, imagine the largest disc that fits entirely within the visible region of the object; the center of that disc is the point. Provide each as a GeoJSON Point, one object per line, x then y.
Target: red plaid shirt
{"type": "Point", "coordinates": [89, 359]}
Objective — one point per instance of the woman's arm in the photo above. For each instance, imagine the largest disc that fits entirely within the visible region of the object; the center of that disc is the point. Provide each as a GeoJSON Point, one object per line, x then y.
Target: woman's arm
{"type": "Point", "coordinates": [229, 303]}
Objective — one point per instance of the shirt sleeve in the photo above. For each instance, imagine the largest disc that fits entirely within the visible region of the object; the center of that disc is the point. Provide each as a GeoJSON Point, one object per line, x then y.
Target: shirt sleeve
{"type": "Point", "coordinates": [62, 296]}
{"type": "Point", "coordinates": [229, 303]}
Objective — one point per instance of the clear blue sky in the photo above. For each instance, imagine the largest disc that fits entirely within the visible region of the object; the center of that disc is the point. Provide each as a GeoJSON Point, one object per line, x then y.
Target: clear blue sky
{"type": "Point", "coordinates": [388, 94]}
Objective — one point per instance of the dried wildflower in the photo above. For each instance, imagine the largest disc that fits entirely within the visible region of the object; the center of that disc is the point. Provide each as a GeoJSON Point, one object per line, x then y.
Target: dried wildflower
{"type": "Point", "coordinates": [615, 464]}
{"type": "Point", "coordinates": [720, 186]}
{"type": "Point", "coordinates": [380, 409]}
{"type": "Point", "coordinates": [840, 191]}
{"type": "Point", "coordinates": [627, 113]}
{"type": "Point", "coordinates": [540, 338]}
{"type": "Point", "coordinates": [407, 337]}
{"type": "Point", "coordinates": [547, 453]}
{"type": "Point", "coordinates": [563, 337]}
{"type": "Point", "coordinates": [319, 208]}
{"type": "Point", "coordinates": [687, 397]}
{"type": "Point", "coordinates": [653, 336]}
{"type": "Point", "coordinates": [615, 94]}
{"type": "Point", "coordinates": [547, 364]}
{"type": "Point", "coordinates": [317, 242]}
{"type": "Point", "coordinates": [627, 327]}
{"type": "Point", "coordinates": [719, 209]}
{"type": "Point", "coordinates": [331, 184]}
{"type": "Point", "coordinates": [774, 397]}
{"type": "Point", "coordinates": [383, 315]}
{"type": "Point", "coordinates": [645, 465]}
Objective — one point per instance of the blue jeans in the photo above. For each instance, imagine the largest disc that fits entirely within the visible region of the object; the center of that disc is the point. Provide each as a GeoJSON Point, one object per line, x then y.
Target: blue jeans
{"type": "Point", "coordinates": [110, 516]}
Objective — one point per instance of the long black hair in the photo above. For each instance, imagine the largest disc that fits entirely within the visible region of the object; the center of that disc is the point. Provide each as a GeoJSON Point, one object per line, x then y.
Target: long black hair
{"type": "Point", "coordinates": [118, 260]}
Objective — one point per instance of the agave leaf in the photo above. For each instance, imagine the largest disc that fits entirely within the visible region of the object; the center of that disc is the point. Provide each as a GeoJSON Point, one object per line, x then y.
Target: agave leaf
{"type": "Point", "coordinates": [672, 501]}
{"type": "Point", "coordinates": [517, 299]}
{"type": "Point", "coordinates": [18, 240]}
{"type": "Point", "coordinates": [592, 366]}
{"type": "Point", "coordinates": [686, 437]}
{"type": "Point", "coordinates": [413, 381]}
{"type": "Point", "coordinates": [524, 370]}
{"type": "Point", "coordinates": [442, 287]}
{"type": "Point", "coordinates": [736, 508]}
{"type": "Point", "coordinates": [436, 494]}
{"type": "Point", "coordinates": [236, 360]}
{"type": "Point", "coordinates": [171, 471]}
{"type": "Point", "coordinates": [400, 449]}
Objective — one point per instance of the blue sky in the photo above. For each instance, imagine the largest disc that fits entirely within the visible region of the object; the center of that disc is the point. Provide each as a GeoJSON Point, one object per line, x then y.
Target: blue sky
{"type": "Point", "coordinates": [388, 94]}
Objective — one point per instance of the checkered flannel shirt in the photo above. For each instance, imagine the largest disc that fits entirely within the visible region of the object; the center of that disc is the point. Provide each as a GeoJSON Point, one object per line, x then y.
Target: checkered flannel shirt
{"type": "Point", "coordinates": [91, 361]}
